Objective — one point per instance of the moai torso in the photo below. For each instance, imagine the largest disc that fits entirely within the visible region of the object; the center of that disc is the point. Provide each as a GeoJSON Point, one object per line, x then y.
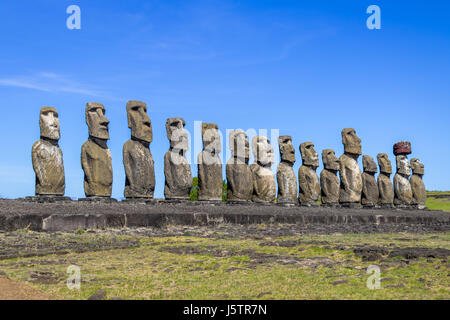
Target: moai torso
{"type": "Point", "coordinates": [370, 194]}
{"type": "Point", "coordinates": [264, 187]}
{"type": "Point", "coordinates": [177, 171]}
{"type": "Point", "coordinates": [385, 189]}
{"type": "Point", "coordinates": [309, 186]}
{"type": "Point", "coordinates": [402, 190]}
{"type": "Point", "coordinates": [209, 176]}
{"type": "Point", "coordinates": [139, 170]}
{"type": "Point", "coordinates": [287, 183]}
{"type": "Point", "coordinates": [239, 181]}
{"type": "Point", "coordinates": [351, 180]}
{"type": "Point", "coordinates": [97, 166]}
{"type": "Point", "coordinates": [49, 168]}
{"type": "Point", "coordinates": [418, 189]}
{"type": "Point", "coordinates": [329, 183]}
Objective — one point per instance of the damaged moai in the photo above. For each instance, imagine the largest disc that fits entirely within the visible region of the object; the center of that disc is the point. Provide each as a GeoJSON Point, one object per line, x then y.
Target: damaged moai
{"type": "Point", "coordinates": [287, 182]}
{"type": "Point", "coordinates": [417, 186]}
{"type": "Point", "coordinates": [370, 194]}
{"type": "Point", "coordinates": [210, 180]}
{"type": "Point", "coordinates": [349, 171]}
{"type": "Point", "coordinates": [402, 188]}
{"type": "Point", "coordinates": [95, 155]}
{"type": "Point", "coordinates": [308, 181]}
{"type": "Point", "coordinates": [239, 175]}
{"type": "Point", "coordinates": [137, 158]}
{"type": "Point", "coordinates": [47, 156]}
{"type": "Point", "coordinates": [329, 181]}
{"type": "Point", "coordinates": [177, 170]}
{"type": "Point", "coordinates": [264, 186]}
{"type": "Point", "coordinates": [385, 187]}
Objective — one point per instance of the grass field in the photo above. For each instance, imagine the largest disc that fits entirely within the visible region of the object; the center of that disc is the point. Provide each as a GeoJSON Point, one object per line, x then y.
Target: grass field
{"type": "Point", "coordinates": [309, 267]}
{"type": "Point", "coordinates": [441, 203]}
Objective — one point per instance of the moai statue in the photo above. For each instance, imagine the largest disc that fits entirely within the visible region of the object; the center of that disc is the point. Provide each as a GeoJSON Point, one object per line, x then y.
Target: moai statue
{"type": "Point", "coordinates": [385, 186]}
{"type": "Point", "coordinates": [239, 175]}
{"type": "Point", "coordinates": [264, 187]}
{"type": "Point", "coordinates": [417, 185]}
{"type": "Point", "coordinates": [210, 180]}
{"type": "Point", "coordinates": [177, 170]}
{"type": "Point", "coordinates": [137, 158]}
{"type": "Point", "coordinates": [308, 181]}
{"type": "Point", "coordinates": [402, 188]}
{"type": "Point", "coordinates": [47, 156]}
{"type": "Point", "coordinates": [95, 156]}
{"type": "Point", "coordinates": [370, 194]}
{"type": "Point", "coordinates": [349, 171]}
{"type": "Point", "coordinates": [287, 182]}
{"type": "Point", "coordinates": [329, 181]}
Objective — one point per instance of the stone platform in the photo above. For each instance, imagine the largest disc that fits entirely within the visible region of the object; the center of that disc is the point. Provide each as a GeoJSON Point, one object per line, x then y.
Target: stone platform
{"type": "Point", "coordinates": [74, 215]}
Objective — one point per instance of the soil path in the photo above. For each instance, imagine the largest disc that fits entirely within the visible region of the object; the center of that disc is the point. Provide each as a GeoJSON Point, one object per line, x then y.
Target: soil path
{"type": "Point", "coordinates": [13, 290]}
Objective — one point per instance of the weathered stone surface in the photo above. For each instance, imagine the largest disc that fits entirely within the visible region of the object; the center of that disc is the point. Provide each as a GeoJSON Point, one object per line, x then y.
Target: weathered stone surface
{"type": "Point", "coordinates": [264, 186]}
{"type": "Point", "coordinates": [177, 170]}
{"type": "Point", "coordinates": [402, 148]}
{"type": "Point", "coordinates": [370, 194]}
{"type": "Point", "coordinates": [329, 181]}
{"type": "Point", "coordinates": [210, 165]}
{"type": "Point", "coordinates": [418, 187]}
{"type": "Point", "coordinates": [308, 181]}
{"type": "Point", "coordinates": [402, 187]}
{"type": "Point", "coordinates": [95, 156]}
{"type": "Point", "coordinates": [239, 175]}
{"type": "Point", "coordinates": [350, 173]}
{"type": "Point", "coordinates": [385, 187]}
{"type": "Point", "coordinates": [47, 156]}
{"type": "Point", "coordinates": [287, 181]}
{"type": "Point", "coordinates": [137, 157]}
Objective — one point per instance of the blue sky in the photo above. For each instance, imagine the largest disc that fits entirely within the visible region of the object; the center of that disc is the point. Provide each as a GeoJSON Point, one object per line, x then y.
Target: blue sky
{"type": "Point", "coordinates": [306, 68]}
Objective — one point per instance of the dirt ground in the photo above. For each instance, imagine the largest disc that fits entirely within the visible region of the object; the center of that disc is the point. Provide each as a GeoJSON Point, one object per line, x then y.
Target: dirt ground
{"type": "Point", "coordinates": [13, 290]}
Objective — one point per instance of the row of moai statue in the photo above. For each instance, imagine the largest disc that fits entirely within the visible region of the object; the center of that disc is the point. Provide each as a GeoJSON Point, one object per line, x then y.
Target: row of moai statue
{"type": "Point", "coordinates": [245, 183]}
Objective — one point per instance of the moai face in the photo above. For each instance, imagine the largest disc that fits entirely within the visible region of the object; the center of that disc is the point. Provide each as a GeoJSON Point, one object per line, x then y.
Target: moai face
{"type": "Point", "coordinates": [96, 121]}
{"type": "Point", "coordinates": [384, 163]}
{"type": "Point", "coordinates": [49, 123]}
{"type": "Point", "coordinates": [352, 144]}
{"type": "Point", "coordinates": [239, 145]}
{"type": "Point", "coordinates": [176, 134]}
{"type": "Point", "coordinates": [262, 150]}
{"type": "Point", "coordinates": [403, 166]}
{"type": "Point", "coordinates": [329, 159]}
{"type": "Point", "coordinates": [287, 150]}
{"type": "Point", "coordinates": [309, 155]}
{"type": "Point", "coordinates": [138, 121]}
{"type": "Point", "coordinates": [369, 165]}
{"type": "Point", "coordinates": [417, 166]}
{"type": "Point", "coordinates": [211, 138]}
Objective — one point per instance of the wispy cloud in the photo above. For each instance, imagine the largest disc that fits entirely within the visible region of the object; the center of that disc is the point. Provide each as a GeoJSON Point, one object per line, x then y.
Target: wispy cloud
{"type": "Point", "coordinates": [52, 82]}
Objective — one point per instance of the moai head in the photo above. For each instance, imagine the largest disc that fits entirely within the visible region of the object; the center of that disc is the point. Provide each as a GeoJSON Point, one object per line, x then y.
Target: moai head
{"type": "Point", "coordinates": [287, 150]}
{"type": "Point", "coordinates": [49, 123]}
{"type": "Point", "coordinates": [417, 166]}
{"type": "Point", "coordinates": [403, 166]}
{"type": "Point", "coordinates": [262, 150]}
{"type": "Point", "coordinates": [211, 138]}
{"type": "Point", "coordinates": [309, 155]}
{"type": "Point", "coordinates": [329, 159]}
{"type": "Point", "coordinates": [369, 165]}
{"type": "Point", "coordinates": [239, 145]}
{"type": "Point", "coordinates": [138, 121]}
{"type": "Point", "coordinates": [352, 144]}
{"type": "Point", "coordinates": [384, 163]}
{"type": "Point", "coordinates": [176, 134]}
{"type": "Point", "coordinates": [96, 120]}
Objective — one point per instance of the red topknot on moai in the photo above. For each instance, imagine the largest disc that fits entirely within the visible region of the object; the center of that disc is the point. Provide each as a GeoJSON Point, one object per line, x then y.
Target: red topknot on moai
{"type": "Point", "coordinates": [402, 148]}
